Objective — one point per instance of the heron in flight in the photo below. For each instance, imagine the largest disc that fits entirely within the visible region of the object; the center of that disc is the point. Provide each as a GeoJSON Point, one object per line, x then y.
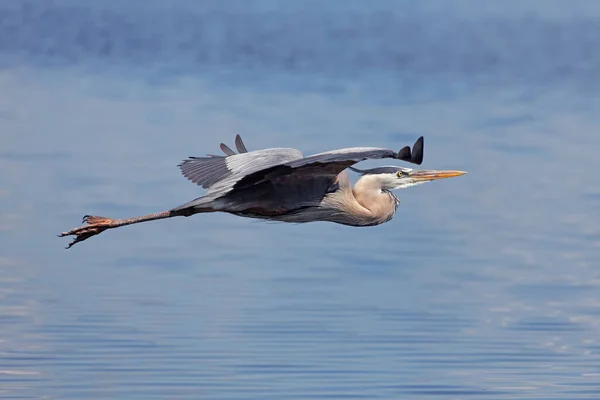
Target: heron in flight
{"type": "Point", "coordinates": [281, 184]}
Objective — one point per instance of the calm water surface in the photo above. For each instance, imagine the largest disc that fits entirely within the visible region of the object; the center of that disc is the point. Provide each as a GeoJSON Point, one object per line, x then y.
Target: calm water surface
{"type": "Point", "coordinates": [485, 286]}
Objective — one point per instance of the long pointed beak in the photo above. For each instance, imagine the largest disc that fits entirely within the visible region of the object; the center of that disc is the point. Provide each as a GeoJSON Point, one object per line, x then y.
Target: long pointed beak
{"type": "Point", "coordinates": [433, 175]}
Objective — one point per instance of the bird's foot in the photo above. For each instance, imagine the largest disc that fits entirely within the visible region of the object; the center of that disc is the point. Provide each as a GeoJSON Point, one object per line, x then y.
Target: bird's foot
{"type": "Point", "coordinates": [94, 220]}
{"type": "Point", "coordinates": [94, 226]}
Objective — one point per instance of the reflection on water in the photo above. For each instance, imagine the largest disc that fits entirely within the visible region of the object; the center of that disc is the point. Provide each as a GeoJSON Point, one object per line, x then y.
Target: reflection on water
{"type": "Point", "coordinates": [483, 287]}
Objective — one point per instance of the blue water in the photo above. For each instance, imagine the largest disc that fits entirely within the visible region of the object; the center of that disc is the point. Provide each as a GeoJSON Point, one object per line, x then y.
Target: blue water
{"type": "Point", "coordinates": [485, 286]}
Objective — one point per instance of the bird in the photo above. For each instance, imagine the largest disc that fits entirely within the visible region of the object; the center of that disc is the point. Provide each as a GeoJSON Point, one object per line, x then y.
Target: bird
{"type": "Point", "coordinates": [281, 184]}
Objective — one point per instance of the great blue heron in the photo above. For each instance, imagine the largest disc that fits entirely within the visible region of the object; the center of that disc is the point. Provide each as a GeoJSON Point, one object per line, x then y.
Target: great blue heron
{"type": "Point", "coordinates": [280, 184]}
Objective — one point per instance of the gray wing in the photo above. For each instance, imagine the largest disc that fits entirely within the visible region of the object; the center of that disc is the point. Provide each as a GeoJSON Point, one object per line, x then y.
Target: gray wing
{"type": "Point", "coordinates": [204, 171]}
{"type": "Point", "coordinates": [329, 164]}
{"type": "Point", "coordinates": [296, 183]}
{"type": "Point", "coordinates": [333, 162]}
{"type": "Point", "coordinates": [276, 181]}
{"type": "Point", "coordinates": [210, 170]}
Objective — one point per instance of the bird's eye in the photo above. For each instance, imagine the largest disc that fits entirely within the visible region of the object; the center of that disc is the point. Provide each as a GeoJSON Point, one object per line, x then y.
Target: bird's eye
{"type": "Point", "coordinates": [399, 173]}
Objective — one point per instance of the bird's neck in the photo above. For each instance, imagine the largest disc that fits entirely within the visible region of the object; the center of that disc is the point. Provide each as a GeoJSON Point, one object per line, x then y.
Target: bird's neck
{"type": "Point", "coordinates": [380, 204]}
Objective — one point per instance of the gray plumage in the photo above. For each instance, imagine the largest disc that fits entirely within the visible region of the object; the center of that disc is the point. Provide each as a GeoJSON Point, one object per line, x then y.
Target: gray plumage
{"type": "Point", "coordinates": [239, 145]}
{"type": "Point", "coordinates": [227, 150]}
{"type": "Point", "coordinates": [278, 183]}
{"type": "Point", "coordinates": [281, 184]}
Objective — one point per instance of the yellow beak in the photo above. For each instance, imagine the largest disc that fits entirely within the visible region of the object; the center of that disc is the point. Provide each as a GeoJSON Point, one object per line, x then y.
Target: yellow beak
{"type": "Point", "coordinates": [433, 175]}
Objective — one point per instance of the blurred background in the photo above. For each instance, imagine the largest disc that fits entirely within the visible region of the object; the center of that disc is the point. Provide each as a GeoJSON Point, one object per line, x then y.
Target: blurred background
{"type": "Point", "coordinates": [485, 286]}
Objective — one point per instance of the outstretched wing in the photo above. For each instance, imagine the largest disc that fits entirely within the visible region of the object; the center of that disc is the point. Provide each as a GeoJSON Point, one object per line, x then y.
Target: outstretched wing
{"type": "Point", "coordinates": [328, 164]}
{"type": "Point", "coordinates": [208, 171]}
{"type": "Point", "coordinates": [277, 187]}
{"type": "Point", "coordinates": [331, 163]}
{"type": "Point", "coordinates": [293, 184]}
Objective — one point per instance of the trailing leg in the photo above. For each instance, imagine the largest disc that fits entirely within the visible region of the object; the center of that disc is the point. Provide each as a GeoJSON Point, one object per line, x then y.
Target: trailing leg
{"type": "Point", "coordinates": [95, 225]}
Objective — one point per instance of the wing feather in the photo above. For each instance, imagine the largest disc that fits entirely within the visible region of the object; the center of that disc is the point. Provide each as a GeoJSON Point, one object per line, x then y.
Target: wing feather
{"type": "Point", "coordinates": [239, 144]}
{"type": "Point", "coordinates": [217, 173]}
{"type": "Point", "coordinates": [226, 149]}
{"type": "Point", "coordinates": [204, 171]}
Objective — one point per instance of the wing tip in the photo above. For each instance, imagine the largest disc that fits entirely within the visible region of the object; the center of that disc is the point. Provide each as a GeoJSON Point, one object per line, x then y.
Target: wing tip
{"type": "Point", "coordinates": [239, 144]}
{"type": "Point", "coordinates": [226, 149]}
{"type": "Point", "coordinates": [416, 155]}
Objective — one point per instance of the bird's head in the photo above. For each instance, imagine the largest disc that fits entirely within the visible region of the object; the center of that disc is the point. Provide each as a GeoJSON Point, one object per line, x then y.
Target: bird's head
{"type": "Point", "coordinates": [393, 177]}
